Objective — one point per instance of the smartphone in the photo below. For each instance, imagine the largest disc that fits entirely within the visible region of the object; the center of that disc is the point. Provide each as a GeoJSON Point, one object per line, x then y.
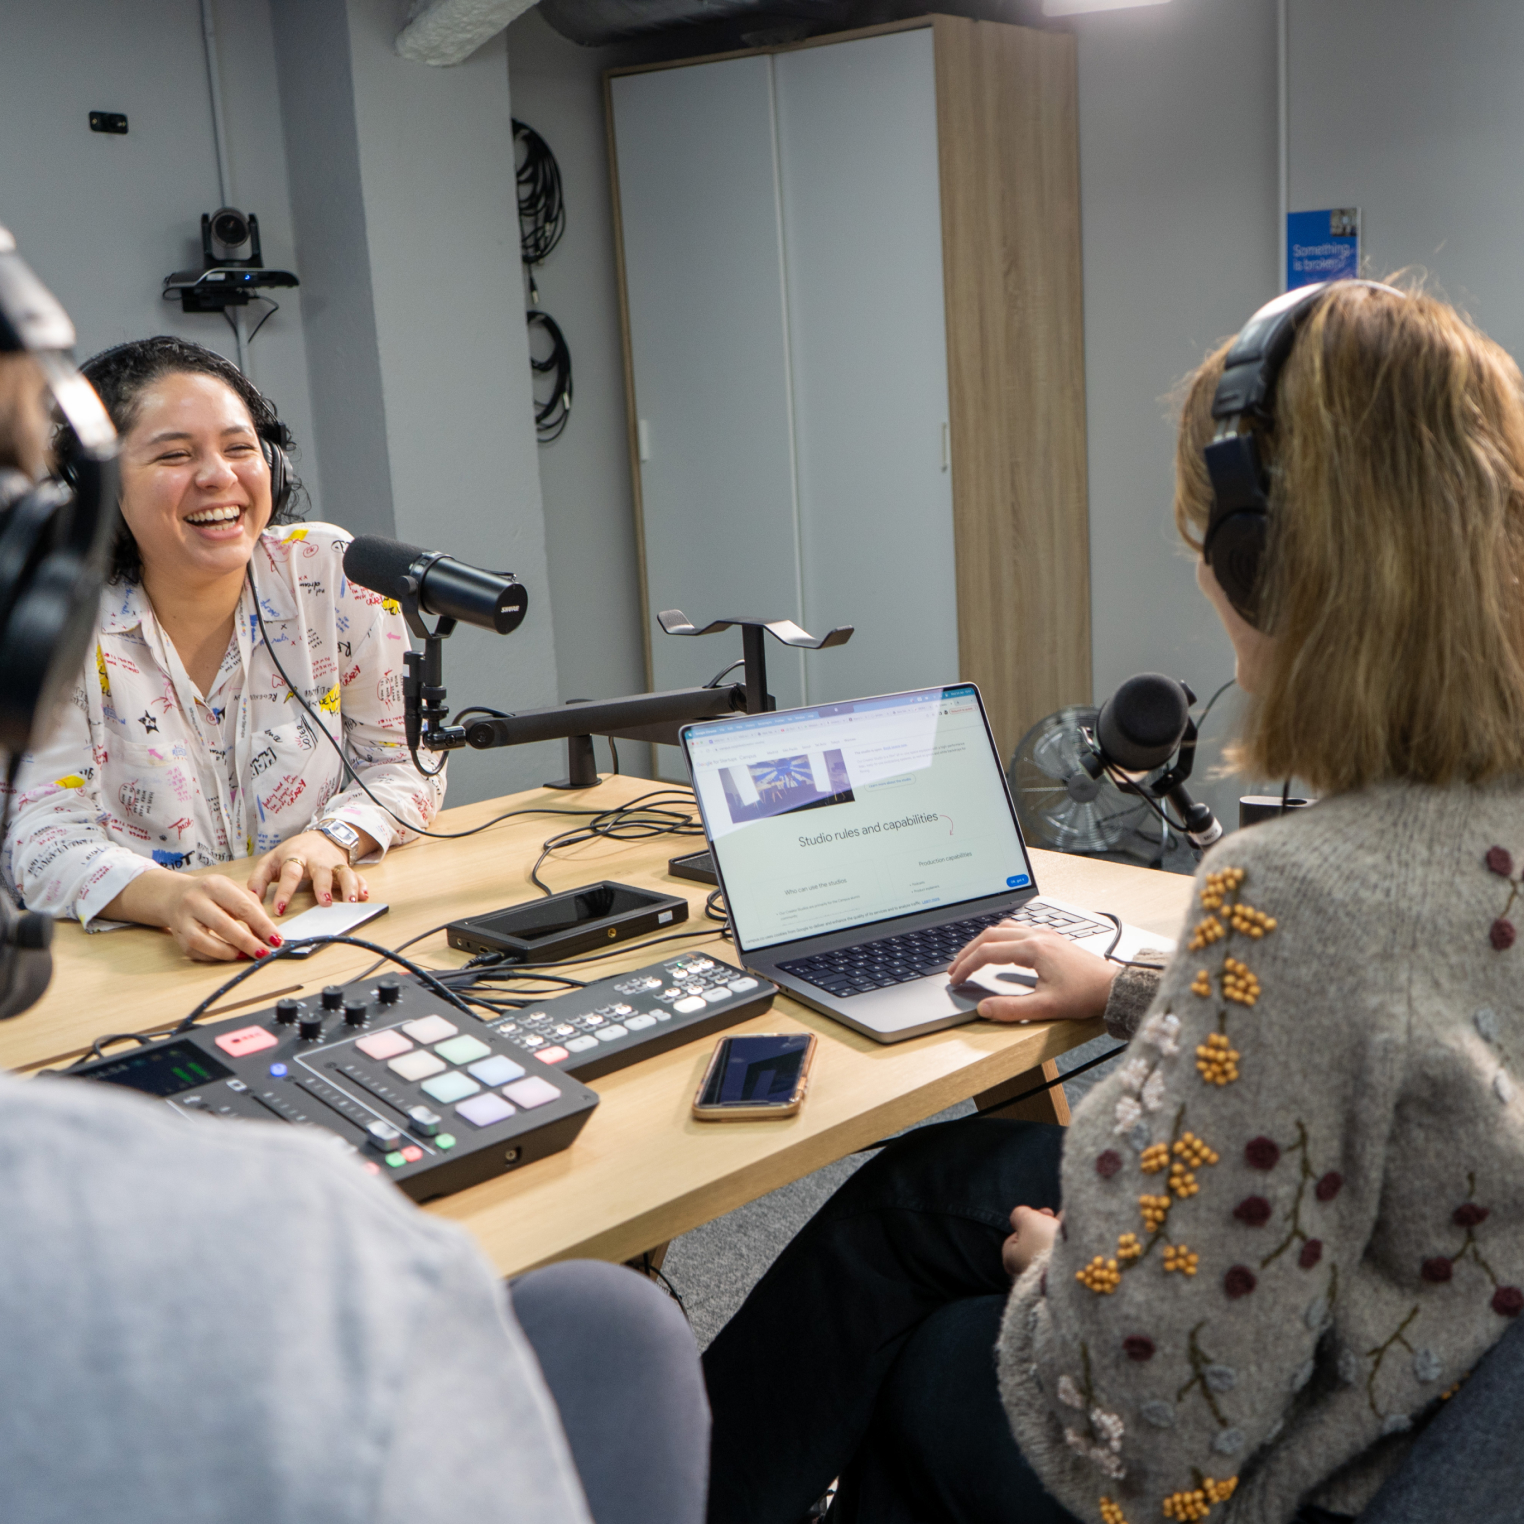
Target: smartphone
{"type": "Point", "coordinates": [760, 1076]}
{"type": "Point", "coordinates": [327, 921]}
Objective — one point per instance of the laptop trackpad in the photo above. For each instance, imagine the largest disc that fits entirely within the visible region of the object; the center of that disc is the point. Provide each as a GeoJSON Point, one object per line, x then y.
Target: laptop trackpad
{"type": "Point", "coordinates": [921, 1005]}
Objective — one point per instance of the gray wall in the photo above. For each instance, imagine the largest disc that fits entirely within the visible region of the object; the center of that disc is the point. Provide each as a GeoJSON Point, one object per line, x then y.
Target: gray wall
{"type": "Point", "coordinates": [1179, 202]}
{"type": "Point", "coordinates": [104, 219]}
{"type": "Point", "coordinates": [1419, 124]}
{"type": "Point", "coordinates": [437, 181]}
{"type": "Point", "coordinates": [557, 89]}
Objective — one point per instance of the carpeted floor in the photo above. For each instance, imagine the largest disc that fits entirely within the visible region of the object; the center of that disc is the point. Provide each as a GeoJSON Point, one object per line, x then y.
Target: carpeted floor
{"type": "Point", "coordinates": [713, 1267]}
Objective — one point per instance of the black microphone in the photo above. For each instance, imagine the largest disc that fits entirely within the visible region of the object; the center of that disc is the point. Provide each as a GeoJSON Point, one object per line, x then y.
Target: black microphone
{"type": "Point", "coordinates": [441, 584]}
{"type": "Point", "coordinates": [1139, 728]}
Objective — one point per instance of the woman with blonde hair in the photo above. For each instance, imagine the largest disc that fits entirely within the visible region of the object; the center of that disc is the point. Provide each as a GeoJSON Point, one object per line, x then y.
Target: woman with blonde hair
{"type": "Point", "coordinates": [1293, 1219]}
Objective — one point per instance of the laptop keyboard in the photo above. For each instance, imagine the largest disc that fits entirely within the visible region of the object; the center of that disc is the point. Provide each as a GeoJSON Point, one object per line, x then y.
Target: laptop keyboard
{"type": "Point", "coordinates": [847, 971]}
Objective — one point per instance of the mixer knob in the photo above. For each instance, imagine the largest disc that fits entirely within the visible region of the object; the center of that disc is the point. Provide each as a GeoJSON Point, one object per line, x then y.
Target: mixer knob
{"type": "Point", "coordinates": [287, 1010]}
{"type": "Point", "coordinates": [333, 997]}
{"type": "Point", "coordinates": [388, 991]}
{"type": "Point", "coordinates": [310, 1025]}
{"type": "Point", "coordinates": [355, 1013]}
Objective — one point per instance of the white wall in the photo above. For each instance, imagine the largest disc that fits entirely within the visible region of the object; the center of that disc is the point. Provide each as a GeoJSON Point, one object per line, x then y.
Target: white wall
{"type": "Point", "coordinates": [437, 178]}
{"type": "Point", "coordinates": [1414, 114]}
{"type": "Point", "coordinates": [557, 89]}
{"type": "Point", "coordinates": [1177, 113]}
{"type": "Point", "coordinates": [104, 219]}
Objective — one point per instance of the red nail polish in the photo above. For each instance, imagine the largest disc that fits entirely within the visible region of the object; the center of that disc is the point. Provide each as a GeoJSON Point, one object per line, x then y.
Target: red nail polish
{"type": "Point", "coordinates": [275, 941]}
{"type": "Point", "coordinates": [264, 952]}
{"type": "Point", "coordinates": [280, 908]}
{"type": "Point", "coordinates": [243, 957]}
{"type": "Point", "coordinates": [328, 899]}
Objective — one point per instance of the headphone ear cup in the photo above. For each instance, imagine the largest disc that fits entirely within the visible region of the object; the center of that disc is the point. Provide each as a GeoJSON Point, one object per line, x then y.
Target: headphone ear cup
{"type": "Point", "coordinates": [280, 474]}
{"type": "Point", "coordinates": [1236, 554]}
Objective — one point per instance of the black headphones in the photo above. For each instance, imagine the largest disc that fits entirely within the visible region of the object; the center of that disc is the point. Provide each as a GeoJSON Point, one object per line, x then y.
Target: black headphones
{"type": "Point", "coordinates": [54, 542]}
{"type": "Point", "coordinates": [1238, 527]}
{"type": "Point", "coordinates": [274, 440]}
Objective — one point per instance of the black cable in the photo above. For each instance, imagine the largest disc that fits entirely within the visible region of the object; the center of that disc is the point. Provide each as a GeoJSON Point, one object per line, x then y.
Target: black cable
{"type": "Point", "coordinates": [1026, 1095]}
{"type": "Point", "coordinates": [542, 207]}
{"type": "Point", "coordinates": [625, 822]}
{"type": "Point", "coordinates": [423, 975]}
{"type": "Point", "coordinates": [232, 322]}
{"type": "Point", "coordinates": [1201, 719]}
{"type": "Point", "coordinates": [552, 415]}
{"type": "Point", "coordinates": [1127, 786]}
{"type": "Point", "coordinates": [1111, 947]}
{"type": "Point", "coordinates": [614, 753]}
{"type": "Point", "coordinates": [720, 676]}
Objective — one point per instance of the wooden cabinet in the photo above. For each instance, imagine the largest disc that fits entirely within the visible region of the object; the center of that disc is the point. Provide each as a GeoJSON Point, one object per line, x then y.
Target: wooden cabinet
{"type": "Point", "coordinates": [850, 274]}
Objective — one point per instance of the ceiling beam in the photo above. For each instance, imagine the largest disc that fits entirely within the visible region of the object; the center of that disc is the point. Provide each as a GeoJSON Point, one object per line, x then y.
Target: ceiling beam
{"type": "Point", "coordinates": [449, 31]}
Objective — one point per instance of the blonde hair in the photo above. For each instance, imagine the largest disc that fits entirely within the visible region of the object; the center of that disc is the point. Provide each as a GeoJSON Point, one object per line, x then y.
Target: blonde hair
{"type": "Point", "coordinates": [24, 424]}
{"type": "Point", "coordinates": [1393, 573]}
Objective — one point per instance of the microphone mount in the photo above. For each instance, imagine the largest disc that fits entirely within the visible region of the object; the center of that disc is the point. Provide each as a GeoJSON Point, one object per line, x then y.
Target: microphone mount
{"type": "Point", "coordinates": [1135, 733]}
{"type": "Point", "coordinates": [653, 717]}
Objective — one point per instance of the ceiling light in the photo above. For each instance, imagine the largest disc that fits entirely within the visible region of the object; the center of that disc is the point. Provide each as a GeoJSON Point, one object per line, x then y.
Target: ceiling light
{"type": "Point", "coordinates": [1077, 7]}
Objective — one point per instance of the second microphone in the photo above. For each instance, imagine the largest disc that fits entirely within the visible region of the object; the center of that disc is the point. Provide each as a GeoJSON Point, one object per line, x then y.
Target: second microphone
{"type": "Point", "coordinates": [443, 586]}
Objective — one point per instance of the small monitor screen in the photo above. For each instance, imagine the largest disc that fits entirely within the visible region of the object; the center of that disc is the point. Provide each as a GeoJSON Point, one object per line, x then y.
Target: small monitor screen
{"type": "Point", "coordinates": [166, 1071]}
{"type": "Point", "coordinates": [756, 1071]}
{"type": "Point", "coordinates": [564, 912]}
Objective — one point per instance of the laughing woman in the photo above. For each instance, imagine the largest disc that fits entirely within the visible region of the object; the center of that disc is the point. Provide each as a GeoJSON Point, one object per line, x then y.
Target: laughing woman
{"type": "Point", "coordinates": [182, 746]}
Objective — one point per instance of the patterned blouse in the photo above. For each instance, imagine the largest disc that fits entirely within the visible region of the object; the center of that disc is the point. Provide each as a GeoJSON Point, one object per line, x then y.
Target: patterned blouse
{"type": "Point", "coordinates": [143, 769]}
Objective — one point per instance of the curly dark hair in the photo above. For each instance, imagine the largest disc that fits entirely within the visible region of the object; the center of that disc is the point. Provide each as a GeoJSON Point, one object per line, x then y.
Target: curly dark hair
{"type": "Point", "coordinates": [121, 375]}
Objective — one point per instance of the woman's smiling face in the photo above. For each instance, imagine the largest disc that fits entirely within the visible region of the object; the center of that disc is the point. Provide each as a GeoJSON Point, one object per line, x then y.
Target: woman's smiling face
{"type": "Point", "coordinates": [195, 482]}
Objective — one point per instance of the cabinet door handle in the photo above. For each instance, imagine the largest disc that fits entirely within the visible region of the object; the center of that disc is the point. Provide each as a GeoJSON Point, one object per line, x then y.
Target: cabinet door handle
{"type": "Point", "coordinates": [643, 439]}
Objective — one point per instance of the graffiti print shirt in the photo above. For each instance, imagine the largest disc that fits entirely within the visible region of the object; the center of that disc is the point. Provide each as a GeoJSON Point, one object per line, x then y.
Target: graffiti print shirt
{"type": "Point", "coordinates": [143, 769]}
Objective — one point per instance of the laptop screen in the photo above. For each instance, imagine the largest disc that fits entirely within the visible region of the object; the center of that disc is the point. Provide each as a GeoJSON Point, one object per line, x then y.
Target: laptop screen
{"type": "Point", "coordinates": [830, 818]}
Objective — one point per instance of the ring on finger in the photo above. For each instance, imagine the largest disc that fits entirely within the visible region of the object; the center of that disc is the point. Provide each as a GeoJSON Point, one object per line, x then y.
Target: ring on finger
{"type": "Point", "coordinates": [301, 862]}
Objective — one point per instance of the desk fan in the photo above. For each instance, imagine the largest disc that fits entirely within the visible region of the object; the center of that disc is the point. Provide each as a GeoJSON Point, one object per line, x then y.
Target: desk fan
{"type": "Point", "coordinates": [1063, 809]}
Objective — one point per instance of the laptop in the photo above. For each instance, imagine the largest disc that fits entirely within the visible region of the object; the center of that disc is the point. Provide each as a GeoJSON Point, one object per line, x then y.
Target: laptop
{"type": "Point", "coordinates": [861, 844]}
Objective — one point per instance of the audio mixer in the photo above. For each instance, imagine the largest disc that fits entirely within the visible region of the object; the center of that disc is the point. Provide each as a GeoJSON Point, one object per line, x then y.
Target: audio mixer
{"type": "Point", "coordinates": [627, 1017]}
{"type": "Point", "coordinates": [426, 1095]}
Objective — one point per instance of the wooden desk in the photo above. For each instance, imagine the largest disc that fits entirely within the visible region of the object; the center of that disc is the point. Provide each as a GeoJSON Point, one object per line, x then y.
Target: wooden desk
{"type": "Point", "coordinates": [642, 1171]}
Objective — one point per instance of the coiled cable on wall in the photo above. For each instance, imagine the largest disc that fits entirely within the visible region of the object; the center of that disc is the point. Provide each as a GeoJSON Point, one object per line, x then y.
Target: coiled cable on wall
{"type": "Point", "coordinates": [542, 209]}
{"type": "Point", "coordinates": [542, 221]}
{"type": "Point", "coordinates": [550, 417]}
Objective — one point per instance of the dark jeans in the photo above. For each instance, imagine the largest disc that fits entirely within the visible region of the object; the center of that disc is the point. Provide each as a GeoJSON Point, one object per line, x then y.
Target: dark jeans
{"type": "Point", "coordinates": [867, 1350]}
{"type": "Point", "coordinates": [620, 1361]}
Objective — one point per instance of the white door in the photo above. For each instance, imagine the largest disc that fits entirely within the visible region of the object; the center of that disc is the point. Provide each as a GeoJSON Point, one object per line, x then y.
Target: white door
{"type": "Point", "coordinates": [698, 193]}
{"type": "Point", "coordinates": [862, 236]}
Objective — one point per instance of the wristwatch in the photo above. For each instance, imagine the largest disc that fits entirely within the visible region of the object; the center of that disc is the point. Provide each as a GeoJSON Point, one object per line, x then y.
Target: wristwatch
{"type": "Point", "coordinates": [343, 835]}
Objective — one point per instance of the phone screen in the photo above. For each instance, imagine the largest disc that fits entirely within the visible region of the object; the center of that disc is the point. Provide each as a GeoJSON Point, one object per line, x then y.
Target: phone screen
{"type": "Point", "coordinates": [756, 1071]}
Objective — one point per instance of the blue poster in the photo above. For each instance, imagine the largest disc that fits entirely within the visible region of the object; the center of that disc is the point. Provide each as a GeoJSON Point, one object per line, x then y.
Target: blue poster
{"type": "Point", "coordinates": [1322, 246]}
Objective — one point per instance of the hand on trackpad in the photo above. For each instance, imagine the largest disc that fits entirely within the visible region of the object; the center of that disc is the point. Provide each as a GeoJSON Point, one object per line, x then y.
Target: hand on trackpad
{"type": "Point", "coordinates": [1001, 979]}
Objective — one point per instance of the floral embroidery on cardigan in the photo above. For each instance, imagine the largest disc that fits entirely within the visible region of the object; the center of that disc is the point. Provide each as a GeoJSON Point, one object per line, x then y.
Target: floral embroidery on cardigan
{"type": "Point", "coordinates": [1439, 1269]}
{"type": "Point", "coordinates": [1502, 933]}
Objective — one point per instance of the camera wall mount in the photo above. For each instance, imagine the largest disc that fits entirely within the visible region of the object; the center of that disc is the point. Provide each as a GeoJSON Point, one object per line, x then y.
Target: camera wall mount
{"type": "Point", "coordinates": [226, 278]}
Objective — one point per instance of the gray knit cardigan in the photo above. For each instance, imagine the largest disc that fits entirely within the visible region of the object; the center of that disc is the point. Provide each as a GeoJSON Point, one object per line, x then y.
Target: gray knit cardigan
{"type": "Point", "coordinates": [1294, 1219]}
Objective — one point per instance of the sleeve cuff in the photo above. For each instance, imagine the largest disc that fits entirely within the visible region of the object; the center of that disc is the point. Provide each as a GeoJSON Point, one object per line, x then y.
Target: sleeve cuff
{"type": "Point", "coordinates": [1132, 992]}
{"type": "Point", "coordinates": [363, 817]}
{"type": "Point", "coordinates": [97, 895]}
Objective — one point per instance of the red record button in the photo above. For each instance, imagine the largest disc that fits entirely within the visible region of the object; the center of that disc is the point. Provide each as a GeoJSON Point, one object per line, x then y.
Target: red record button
{"type": "Point", "coordinates": [247, 1040]}
{"type": "Point", "coordinates": [556, 1055]}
